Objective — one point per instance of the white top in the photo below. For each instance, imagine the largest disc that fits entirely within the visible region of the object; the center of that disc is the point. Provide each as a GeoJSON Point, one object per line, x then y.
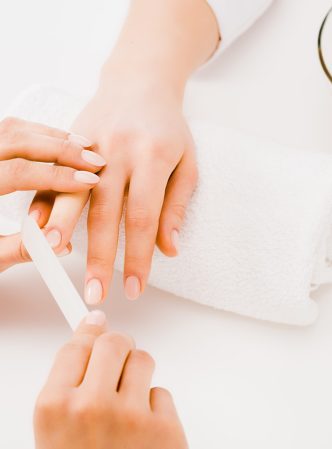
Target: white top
{"type": "Point", "coordinates": [235, 17]}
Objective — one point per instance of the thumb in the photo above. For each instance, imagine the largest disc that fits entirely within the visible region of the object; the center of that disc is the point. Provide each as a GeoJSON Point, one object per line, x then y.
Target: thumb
{"type": "Point", "coordinates": [12, 251]}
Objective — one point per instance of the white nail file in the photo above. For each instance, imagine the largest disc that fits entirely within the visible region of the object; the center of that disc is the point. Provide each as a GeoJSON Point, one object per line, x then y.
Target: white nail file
{"type": "Point", "coordinates": [53, 274]}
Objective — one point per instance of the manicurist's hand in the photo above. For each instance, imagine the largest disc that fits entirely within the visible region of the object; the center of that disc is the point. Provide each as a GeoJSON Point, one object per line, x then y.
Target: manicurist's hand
{"type": "Point", "coordinates": [98, 396]}
{"type": "Point", "coordinates": [136, 123]}
{"type": "Point", "coordinates": [26, 149]}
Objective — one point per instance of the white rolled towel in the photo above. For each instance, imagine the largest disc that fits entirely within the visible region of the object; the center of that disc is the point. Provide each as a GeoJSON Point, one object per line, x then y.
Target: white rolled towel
{"type": "Point", "coordinates": [256, 239]}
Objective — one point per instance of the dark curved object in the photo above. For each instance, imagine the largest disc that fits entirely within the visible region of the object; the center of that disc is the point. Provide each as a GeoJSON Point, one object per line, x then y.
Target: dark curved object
{"type": "Point", "coordinates": [320, 51]}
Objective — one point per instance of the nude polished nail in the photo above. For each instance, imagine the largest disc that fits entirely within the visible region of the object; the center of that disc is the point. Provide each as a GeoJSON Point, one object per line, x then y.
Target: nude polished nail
{"type": "Point", "coordinates": [80, 140]}
{"type": "Point", "coordinates": [96, 318]}
{"type": "Point", "coordinates": [54, 238]}
{"type": "Point", "coordinates": [64, 253]}
{"type": "Point", "coordinates": [86, 177]}
{"type": "Point", "coordinates": [93, 158]}
{"type": "Point", "coordinates": [93, 292]}
{"type": "Point", "coordinates": [132, 288]}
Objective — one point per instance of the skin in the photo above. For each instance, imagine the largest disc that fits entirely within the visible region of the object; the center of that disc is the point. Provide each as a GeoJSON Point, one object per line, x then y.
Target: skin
{"type": "Point", "coordinates": [25, 148]}
{"type": "Point", "coordinates": [136, 123]}
{"type": "Point", "coordinates": [98, 396]}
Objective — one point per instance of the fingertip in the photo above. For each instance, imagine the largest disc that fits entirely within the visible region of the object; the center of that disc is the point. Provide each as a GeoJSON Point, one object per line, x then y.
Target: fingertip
{"type": "Point", "coordinates": [96, 318]}
{"type": "Point", "coordinates": [132, 288]}
{"type": "Point", "coordinates": [35, 215]}
{"type": "Point", "coordinates": [93, 292]}
{"type": "Point", "coordinates": [168, 241]}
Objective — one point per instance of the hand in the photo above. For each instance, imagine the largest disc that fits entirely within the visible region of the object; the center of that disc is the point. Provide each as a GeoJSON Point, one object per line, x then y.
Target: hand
{"type": "Point", "coordinates": [21, 145]}
{"type": "Point", "coordinates": [141, 132]}
{"type": "Point", "coordinates": [98, 396]}
{"type": "Point", "coordinates": [135, 121]}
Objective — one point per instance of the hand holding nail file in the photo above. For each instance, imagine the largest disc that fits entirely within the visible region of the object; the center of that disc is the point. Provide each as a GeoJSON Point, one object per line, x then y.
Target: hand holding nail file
{"type": "Point", "coordinates": [53, 274]}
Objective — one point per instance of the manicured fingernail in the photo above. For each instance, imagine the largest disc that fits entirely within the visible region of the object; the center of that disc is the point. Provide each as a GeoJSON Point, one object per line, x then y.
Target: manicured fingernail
{"type": "Point", "coordinates": [35, 215]}
{"type": "Point", "coordinates": [64, 253]}
{"type": "Point", "coordinates": [93, 158]}
{"type": "Point", "coordinates": [86, 177]}
{"type": "Point", "coordinates": [175, 239]}
{"type": "Point", "coordinates": [80, 140]}
{"type": "Point", "coordinates": [96, 318]}
{"type": "Point", "coordinates": [54, 238]}
{"type": "Point", "coordinates": [132, 288]}
{"type": "Point", "coordinates": [93, 292]}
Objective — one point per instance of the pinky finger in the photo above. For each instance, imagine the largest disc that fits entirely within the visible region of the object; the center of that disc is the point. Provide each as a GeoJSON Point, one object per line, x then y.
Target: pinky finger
{"type": "Point", "coordinates": [178, 193]}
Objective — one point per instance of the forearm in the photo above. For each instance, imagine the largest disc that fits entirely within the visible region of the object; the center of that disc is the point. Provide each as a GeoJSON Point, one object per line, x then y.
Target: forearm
{"type": "Point", "coordinates": [164, 40]}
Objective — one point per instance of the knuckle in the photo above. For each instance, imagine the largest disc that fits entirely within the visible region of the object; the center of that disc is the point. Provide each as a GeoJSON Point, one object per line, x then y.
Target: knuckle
{"type": "Point", "coordinates": [8, 124]}
{"type": "Point", "coordinates": [103, 262]}
{"type": "Point", "coordinates": [81, 347]}
{"type": "Point", "coordinates": [132, 416]}
{"type": "Point", "coordinates": [57, 171]}
{"type": "Point", "coordinates": [86, 409]}
{"type": "Point", "coordinates": [67, 148]}
{"type": "Point", "coordinates": [143, 358]}
{"type": "Point", "coordinates": [17, 167]}
{"type": "Point", "coordinates": [140, 220]}
{"type": "Point", "coordinates": [100, 211]}
{"type": "Point", "coordinates": [50, 405]}
{"type": "Point", "coordinates": [117, 341]}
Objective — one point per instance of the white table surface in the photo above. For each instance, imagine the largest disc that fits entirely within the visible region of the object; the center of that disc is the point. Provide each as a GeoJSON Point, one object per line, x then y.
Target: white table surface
{"type": "Point", "coordinates": [238, 383]}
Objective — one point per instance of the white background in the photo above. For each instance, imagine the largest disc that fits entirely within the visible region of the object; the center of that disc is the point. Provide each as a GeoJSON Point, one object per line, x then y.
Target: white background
{"type": "Point", "coordinates": [237, 382]}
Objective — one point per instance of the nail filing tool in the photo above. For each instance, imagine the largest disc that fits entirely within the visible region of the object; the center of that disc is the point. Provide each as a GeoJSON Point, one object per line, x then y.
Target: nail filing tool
{"type": "Point", "coordinates": [53, 274]}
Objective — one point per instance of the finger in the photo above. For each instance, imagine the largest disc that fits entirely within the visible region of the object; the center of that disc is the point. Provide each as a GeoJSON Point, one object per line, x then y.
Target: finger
{"type": "Point", "coordinates": [41, 206]}
{"type": "Point", "coordinates": [72, 360]}
{"type": "Point", "coordinates": [137, 376]}
{"type": "Point", "coordinates": [20, 174]}
{"type": "Point", "coordinates": [11, 251]}
{"type": "Point", "coordinates": [145, 199]}
{"type": "Point", "coordinates": [161, 401]}
{"type": "Point", "coordinates": [178, 193]}
{"type": "Point", "coordinates": [40, 128]}
{"type": "Point", "coordinates": [38, 147]}
{"type": "Point", "coordinates": [107, 361]}
{"type": "Point", "coordinates": [66, 211]}
{"type": "Point", "coordinates": [12, 124]}
{"type": "Point", "coordinates": [103, 228]}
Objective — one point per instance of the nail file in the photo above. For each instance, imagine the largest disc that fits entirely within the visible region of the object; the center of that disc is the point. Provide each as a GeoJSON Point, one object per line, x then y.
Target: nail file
{"type": "Point", "coordinates": [53, 274]}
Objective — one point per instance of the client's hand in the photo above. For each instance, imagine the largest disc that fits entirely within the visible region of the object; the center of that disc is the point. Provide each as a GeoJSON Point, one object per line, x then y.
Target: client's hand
{"type": "Point", "coordinates": [98, 396]}
{"type": "Point", "coordinates": [141, 132]}
{"type": "Point", "coordinates": [21, 145]}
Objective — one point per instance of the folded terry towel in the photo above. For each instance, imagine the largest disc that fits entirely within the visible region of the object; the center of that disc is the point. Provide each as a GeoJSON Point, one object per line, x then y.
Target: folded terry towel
{"type": "Point", "coordinates": [257, 234]}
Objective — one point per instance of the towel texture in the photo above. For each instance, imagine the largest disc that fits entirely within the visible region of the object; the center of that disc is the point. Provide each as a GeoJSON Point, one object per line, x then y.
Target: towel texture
{"type": "Point", "coordinates": [256, 239]}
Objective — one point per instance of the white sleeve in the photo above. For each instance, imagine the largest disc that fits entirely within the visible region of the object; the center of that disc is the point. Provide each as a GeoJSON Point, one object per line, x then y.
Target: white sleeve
{"type": "Point", "coordinates": [234, 17]}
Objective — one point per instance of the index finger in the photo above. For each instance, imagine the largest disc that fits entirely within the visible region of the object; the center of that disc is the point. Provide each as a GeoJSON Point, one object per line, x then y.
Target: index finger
{"type": "Point", "coordinates": [72, 360]}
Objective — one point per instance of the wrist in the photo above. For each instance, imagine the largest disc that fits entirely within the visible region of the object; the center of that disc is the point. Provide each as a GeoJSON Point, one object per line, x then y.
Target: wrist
{"type": "Point", "coordinates": [151, 75]}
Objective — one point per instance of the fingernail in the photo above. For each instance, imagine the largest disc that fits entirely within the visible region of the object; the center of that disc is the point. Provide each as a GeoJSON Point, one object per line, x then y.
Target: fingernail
{"type": "Point", "coordinates": [132, 288]}
{"type": "Point", "coordinates": [65, 252]}
{"type": "Point", "coordinates": [175, 237]}
{"type": "Point", "coordinates": [35, 215]}
{"type": "Point", "coordinates": [96, 318]}
{"type": "Point", "coordinates": [80, 140]}
{"type": "Point", "coordinates": [54, 238]}
{"type": "Point", "coordinates": [93, 158]}
{"type": "Point", "coordinates": [86, 177]}
{"type": "Point", "coordinates": [93, 292]}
